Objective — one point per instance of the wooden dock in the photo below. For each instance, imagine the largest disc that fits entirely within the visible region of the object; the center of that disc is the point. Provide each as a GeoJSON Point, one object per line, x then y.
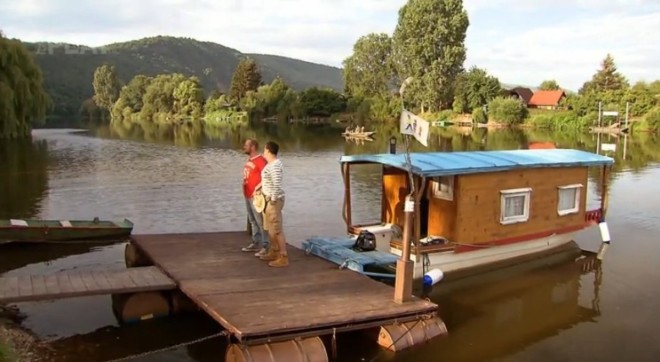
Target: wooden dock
{"type": "Point", "coordinates": [259, 304]}
{"type": "Point", "coordinates": [68, 284]}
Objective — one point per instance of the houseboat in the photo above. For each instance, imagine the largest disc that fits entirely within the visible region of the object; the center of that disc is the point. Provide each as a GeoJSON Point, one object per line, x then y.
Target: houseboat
{"type": "Point", "coordinates": [472, 210]}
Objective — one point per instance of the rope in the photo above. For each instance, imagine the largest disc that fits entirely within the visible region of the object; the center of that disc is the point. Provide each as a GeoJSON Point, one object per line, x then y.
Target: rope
{"type": "Point", "coordinates": [143, 354]}
{"type": "Point", "coordinates": [334, 343]}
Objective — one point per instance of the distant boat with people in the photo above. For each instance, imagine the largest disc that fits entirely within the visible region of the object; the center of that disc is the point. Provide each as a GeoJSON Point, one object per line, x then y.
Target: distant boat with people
{"type": "Point", "coordinates": [357, 132]}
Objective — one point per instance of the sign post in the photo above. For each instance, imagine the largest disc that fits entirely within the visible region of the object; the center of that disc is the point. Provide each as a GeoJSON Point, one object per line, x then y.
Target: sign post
{"type": "Point", "coordinates": [409, 125]}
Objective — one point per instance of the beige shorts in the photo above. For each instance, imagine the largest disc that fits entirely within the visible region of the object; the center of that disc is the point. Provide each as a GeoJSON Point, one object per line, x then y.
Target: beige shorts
{"type": "Point", "coordinates": [273, 216]}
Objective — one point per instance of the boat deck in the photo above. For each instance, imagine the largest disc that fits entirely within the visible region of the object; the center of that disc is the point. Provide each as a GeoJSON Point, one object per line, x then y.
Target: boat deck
{"type": "Point", "coordinates": [68, 284]}
{"type": "Point", "coordinates": [258, 303]}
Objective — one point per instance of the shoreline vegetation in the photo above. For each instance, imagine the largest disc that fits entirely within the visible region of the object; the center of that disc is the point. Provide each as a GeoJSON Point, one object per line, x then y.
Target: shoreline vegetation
{"type": "Point", "coordinates": [371, 74]}
{"type": "Point", "coordinates": [18, 344]}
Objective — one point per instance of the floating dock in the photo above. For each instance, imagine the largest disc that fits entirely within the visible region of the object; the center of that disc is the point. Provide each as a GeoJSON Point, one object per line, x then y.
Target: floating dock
{"type": "Point", "coordinates": [69, 284]}
{"type": "Point", "coordinates": [259, 304]}
{"type": "Point", "coordinates": [269, 314]}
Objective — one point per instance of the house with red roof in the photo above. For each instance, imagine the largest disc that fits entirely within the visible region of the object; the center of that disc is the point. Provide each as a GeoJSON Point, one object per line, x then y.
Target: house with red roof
{"type": "Point", "coordinates": [546, 99]}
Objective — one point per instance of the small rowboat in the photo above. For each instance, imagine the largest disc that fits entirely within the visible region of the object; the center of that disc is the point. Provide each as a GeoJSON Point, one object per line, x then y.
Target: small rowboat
{"type": "Point", "coordinates": [33, 230]}
{"type": "Point", "coordinates": [358, 134]}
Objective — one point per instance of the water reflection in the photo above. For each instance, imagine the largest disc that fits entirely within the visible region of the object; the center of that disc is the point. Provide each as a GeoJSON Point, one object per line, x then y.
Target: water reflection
{"type": "Point", "coordinates": [494, 315]}
{"type": "Point", "coordinates": [187, 178]}
{"type": "Point", "coordinates": [23, 177]}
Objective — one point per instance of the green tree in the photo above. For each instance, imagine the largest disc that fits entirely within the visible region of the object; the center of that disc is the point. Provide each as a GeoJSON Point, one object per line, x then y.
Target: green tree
{"type": "Point", "coordinates": [429, 45]}
{"type": "Point", "coordinates": [247, 77]}
{"type": "Point", "coordinates": [368, 71]}
{"type": "Point", "coordinates": [23, 100]}
{"type": "Point", "coordinates": [549, 85]}
{"type": "Point", "coordinates": [509, 111]}
{"type": "Point", "coordinates": [474, 89]}
{"type": "Point", "coordinates": [133, 92]}
{"type": "Point", "coordinates": [652, 119]}
{"type": "Point", "coordinates": [321, 102]}
{"type": "Point", "coordinates": [607, 85]}
{"type": "Point", "coordinates": [641, 99]}
{"type": "Point", "coordinates": [106, 86]}
{"type": "Point", "coordinates": [188, 98]}
{"type": "Point", "coordinates": [607, 78]}
{"type": "Point", "coordinates": [479, 115]}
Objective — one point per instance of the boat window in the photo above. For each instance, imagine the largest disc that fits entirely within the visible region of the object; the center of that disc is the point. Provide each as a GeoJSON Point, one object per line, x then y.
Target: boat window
{"type": "Point", "coordinates": [515, 205]}
{"type": "Point", "coordinates": [443, 187]}
{"type": "Point", "coordinates": [569, 199]}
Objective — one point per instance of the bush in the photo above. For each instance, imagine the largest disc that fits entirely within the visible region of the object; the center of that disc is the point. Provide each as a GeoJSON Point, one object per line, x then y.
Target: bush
{"type": "Point", "coordinates": [507, 110]}
{"type": "Point", "coordinates": [479, 116]}
{"type": "Point", "coordinates": [652, 119]}
{"type": "Point", "coordinates": [558, 120]}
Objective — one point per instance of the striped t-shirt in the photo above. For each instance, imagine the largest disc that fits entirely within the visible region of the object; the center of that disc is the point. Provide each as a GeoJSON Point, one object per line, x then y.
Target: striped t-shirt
{"type": "Point", "coordinates": [271, 180]}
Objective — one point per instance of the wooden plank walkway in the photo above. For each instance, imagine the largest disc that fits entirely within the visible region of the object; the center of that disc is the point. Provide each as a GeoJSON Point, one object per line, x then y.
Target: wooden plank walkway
{"type": "Point", "coordinates": [68, 284]}
{"type": "Point", "coordinates": [256, 302]}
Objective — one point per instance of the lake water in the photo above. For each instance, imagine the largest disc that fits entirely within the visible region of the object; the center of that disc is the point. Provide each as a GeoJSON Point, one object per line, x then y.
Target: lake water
{"type": "Point", "coordinates": [189, 179]}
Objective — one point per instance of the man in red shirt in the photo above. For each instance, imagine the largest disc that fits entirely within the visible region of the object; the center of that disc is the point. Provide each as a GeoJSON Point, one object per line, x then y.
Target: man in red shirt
{"type": "Point", "coordinates": [251, 181]}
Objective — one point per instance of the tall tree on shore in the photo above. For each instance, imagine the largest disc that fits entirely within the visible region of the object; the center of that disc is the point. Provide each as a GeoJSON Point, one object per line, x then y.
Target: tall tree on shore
{"type": "Point", "coordinates": [607, 78]}
{"type": "Point", "coordinates": [368, 71]}
{"type": "Point", "coordinates": [474, 89]}
{"type": "Point", "coordinates": [429, 45]}
{"type": "Point", "coordinates": [106, 86]}
{"type": "Point", "coordinates": [550, 84]}
{"type": "Point", "coordinates": [23, 100]}
{"type": "Point", "coordinates": [607, 86]}
{"type": "Point", "coordinates": [247, 77]}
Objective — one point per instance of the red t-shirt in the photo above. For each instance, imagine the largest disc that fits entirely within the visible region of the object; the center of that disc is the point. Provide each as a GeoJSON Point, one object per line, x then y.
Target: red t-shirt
{"type": "Point", "coordinates": [252, 174]}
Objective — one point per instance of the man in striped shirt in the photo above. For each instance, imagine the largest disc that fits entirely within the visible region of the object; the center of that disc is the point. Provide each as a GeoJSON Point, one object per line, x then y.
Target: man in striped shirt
{"type": "Point", "coordinates": [271, 187]}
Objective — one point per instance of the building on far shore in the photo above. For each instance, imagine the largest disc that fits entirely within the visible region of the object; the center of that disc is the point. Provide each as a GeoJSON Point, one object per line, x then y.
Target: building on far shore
{"type": "Point", "coordinates": [546, 99]}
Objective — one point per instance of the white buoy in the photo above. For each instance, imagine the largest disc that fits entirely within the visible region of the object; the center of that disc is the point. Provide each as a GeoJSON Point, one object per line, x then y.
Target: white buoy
{"type": "Point", "coordinates": [433, 277]}
{"type": "Point", "coordinates": [605, 235]}
{"type": "Point", "coordinates": [604, 232]}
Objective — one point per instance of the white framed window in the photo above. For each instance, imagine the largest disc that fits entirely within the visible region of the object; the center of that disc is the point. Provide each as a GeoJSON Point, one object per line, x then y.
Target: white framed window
{"type": "Point", "coordinates": [515, 205]}
{"type": "Point", "coordinates": [443, 187]}
{"type": "Point", "coordinates": [568, 201]}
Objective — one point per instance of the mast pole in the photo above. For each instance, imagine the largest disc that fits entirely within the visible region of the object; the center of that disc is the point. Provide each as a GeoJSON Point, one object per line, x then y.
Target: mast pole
{"type": "Point", "coordinates": [404, 266]}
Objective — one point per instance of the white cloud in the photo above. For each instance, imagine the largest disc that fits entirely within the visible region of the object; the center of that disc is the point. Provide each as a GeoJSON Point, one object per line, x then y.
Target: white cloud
{"type": "Point", "coordinates": [571, 52]}
{"type": "Point", "coordinates": [518, 41]}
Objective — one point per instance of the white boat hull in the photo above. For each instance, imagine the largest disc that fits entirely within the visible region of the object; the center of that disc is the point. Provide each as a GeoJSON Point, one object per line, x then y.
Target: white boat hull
{"type": "Point", "coordinates": [451, 262]}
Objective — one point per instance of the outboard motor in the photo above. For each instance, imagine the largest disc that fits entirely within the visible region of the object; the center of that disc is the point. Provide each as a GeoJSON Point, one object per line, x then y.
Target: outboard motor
{"type": "Point", "coordinates": [366, 241]}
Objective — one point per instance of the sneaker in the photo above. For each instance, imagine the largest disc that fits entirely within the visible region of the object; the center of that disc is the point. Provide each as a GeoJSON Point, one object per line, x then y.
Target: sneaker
{"type": "Point", "coordinates": [282, 260]}
{"type": "Point", "coordinates": [261, 252]}
{"type": "Point", "coordinates": [270, 255]}
{"type": "Point", "coordinates": [252, 247]}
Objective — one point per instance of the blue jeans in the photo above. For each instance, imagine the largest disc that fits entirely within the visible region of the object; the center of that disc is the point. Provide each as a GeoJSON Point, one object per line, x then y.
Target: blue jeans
{"type": "Point", "coordinates": [259, 236]}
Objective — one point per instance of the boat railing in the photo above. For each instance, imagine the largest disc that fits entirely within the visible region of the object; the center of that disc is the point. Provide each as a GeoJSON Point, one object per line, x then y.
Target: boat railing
{"type": "Point", "coordinates": [593, 217]}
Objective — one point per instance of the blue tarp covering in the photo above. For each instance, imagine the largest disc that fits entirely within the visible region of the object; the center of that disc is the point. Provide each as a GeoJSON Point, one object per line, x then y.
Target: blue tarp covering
{"type": "Point", "coordinates": [338, 250]}
{"type": "Point", "coordinates": [433, 164]}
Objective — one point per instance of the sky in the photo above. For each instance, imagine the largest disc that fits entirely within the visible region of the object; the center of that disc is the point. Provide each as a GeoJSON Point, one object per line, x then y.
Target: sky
{"type": "Point", "coordinates": [519, 41]}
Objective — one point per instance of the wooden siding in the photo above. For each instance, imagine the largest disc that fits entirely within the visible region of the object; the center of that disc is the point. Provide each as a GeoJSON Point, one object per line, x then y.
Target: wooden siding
{"type": "Point", "coordinates": [395, 189]}
{"type": "Point", "coordinates": [479, 204]}
{"type": "Point", "coordinates": [442, 213]}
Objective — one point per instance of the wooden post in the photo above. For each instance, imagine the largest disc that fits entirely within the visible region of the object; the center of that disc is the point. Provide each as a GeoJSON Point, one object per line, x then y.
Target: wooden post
{"type": "Point", "coordinates": [421, 187]}
{"type": "Point", "coordinates": [604, 197]}
{"type": "Point", "coordinates": [346, 172]}
{"type": "Point", "coordinates": [404, 266]}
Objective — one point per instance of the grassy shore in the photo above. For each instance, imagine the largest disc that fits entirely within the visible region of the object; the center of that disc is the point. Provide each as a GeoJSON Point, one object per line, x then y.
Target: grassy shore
{"type": "Point", "coordinates": [18, 344]}
{"type": "Point", "coordinates": [6, 353]}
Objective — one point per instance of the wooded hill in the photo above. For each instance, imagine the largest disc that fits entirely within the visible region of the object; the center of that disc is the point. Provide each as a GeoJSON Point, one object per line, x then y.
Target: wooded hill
{"type": "Point", "coordinates": [68, 69]}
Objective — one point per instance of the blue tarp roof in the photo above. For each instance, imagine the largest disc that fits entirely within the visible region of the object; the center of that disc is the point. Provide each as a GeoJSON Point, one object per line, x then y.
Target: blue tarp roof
{"type": "Point", "coordinates": [433, 164]}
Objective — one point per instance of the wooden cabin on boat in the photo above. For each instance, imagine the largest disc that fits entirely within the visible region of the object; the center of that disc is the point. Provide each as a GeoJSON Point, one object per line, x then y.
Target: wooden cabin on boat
{"type": "Point", "coordinates": [472, 209]}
